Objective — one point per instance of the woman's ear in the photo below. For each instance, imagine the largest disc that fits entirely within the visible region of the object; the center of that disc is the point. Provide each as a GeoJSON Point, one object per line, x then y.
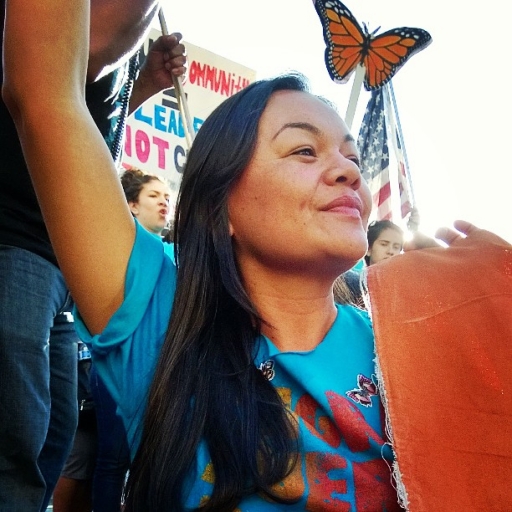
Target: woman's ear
{"type": "Point", "coordinates": [133, 208]}
{"type": "Point", "coordinates": [231, 229]}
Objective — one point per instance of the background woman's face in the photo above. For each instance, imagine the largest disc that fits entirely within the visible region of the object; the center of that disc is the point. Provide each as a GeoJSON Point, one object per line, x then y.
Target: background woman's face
{"type": "Point", "coordinates": [152, 206]}
{"type": "Point", "coordinates": [301, 204]}
{"type": "Point", "coordinates": [389, 243]}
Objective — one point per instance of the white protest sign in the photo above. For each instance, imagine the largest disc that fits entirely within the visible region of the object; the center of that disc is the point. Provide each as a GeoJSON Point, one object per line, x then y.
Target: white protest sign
{"type": "Point", "coordinates": [155, 138]}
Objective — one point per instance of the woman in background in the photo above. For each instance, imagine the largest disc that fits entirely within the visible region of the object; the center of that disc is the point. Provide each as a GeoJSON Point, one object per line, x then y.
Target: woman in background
{"type": "Point", "coordinates": [148, 197]}
{"type": "Point", "coordinates": [385, 240]}
{"type": "Point", "coordinates": [94, 474]}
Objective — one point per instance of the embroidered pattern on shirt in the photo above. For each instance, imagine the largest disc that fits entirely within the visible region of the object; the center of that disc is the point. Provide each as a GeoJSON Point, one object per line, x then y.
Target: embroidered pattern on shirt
{"type": "Point", "coordinates": [362, 395]}
{"type": "Point", "coordinates": [267, 368]}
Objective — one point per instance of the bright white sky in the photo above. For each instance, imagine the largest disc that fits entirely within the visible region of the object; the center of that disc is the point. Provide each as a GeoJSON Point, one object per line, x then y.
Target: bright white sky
{"type": "Point", "coordinates": [453, 101]}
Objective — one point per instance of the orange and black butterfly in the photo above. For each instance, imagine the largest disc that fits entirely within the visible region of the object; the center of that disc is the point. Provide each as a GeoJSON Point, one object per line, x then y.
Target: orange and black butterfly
{"type": "Point", "coordinates": [348, 45]}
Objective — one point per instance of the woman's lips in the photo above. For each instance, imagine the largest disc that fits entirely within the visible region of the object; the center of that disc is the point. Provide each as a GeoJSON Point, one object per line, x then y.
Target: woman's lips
{"type": "Point", "coordinates": [347, 205]}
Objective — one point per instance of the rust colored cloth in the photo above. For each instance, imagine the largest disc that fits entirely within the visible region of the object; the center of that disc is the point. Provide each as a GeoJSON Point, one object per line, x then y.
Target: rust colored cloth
{"type": "Point", "coordinates": [443, 332]}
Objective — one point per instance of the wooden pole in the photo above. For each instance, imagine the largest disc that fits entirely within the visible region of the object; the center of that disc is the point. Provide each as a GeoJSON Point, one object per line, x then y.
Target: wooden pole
{"type": "Point", "coordinates": [354, 96]}
{"type": "Point", "coordinates": [402, 142]}
{"type": "Point", "coordinates": [180, 93]}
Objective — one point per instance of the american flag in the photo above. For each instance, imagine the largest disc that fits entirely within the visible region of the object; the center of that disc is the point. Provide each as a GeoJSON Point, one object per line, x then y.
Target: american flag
{"type": "Point", "coordinates": [374, 150]}
{"type": "Point", "coordinates": [403, 182]}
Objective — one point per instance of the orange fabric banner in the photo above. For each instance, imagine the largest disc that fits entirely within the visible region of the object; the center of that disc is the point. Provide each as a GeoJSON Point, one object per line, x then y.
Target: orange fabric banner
{"type": "Point", "coordinates": [443, 332]}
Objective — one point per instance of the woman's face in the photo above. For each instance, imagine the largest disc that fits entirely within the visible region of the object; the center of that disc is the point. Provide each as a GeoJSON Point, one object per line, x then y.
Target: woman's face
{"type": "Point", "coordinates": [388, 243]}
{"type": "Point", "coordinates": [301, 204]}
{"type": "Point", "coordinates": [152, 206]}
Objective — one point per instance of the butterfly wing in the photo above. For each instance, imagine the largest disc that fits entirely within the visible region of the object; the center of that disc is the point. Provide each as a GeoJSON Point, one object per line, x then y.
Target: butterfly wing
{"type": "Point", "coordinates": [367, 385]}
{"type": "Point", "coordinates": [267, 369]}
{"type": "Point", "coordinates": [344, 38]}
{"type": "Point", "coordinates": [386, 53]}
{"type": "Point", "coordinates": [360, 397]}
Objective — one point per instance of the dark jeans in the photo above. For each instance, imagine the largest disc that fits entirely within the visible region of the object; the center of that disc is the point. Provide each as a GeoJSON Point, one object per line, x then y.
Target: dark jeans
{"type": "Point", "coordinates": [38, 405]}
{"type": "Point", "coordinates": [113, 458]}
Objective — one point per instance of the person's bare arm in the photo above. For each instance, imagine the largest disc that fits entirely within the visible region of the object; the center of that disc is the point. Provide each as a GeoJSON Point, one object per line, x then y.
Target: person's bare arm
{"type": "Point", "coordinates": [83, 205]}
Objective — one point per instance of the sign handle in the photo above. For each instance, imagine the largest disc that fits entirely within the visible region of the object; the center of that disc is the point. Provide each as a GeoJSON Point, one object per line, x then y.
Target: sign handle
{"type": "Point", "coordinates": [180, 93]}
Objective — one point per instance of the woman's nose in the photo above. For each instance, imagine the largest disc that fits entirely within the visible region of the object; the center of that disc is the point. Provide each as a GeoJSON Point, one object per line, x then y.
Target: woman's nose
{"type": "Point", "coordinates": [344, 170]}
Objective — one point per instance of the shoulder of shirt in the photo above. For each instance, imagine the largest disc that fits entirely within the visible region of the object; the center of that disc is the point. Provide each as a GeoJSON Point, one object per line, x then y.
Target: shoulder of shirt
{"type": "Point", "coordinates": [355, 312]}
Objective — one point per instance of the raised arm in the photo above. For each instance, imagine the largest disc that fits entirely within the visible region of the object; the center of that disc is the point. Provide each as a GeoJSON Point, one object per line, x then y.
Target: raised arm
{"type": "Point", "coordinates": [45, 56]}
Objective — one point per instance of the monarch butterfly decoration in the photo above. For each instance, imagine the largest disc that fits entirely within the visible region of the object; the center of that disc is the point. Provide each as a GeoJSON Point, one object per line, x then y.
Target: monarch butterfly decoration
{"type": "Point", "coordinates": [349, 44]}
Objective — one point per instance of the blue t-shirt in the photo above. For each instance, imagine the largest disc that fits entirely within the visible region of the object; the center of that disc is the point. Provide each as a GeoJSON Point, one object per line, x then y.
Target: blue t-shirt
{"type": "Point", "coordinates": [344, 462]}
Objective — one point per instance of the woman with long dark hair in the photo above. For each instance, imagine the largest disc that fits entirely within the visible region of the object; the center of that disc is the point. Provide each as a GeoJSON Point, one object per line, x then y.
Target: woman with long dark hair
{"type": "Point", "coordinates": [242, 385]}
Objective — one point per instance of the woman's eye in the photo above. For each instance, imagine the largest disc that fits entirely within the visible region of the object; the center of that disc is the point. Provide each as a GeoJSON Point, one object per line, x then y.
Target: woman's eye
{"type": "Point", "coordinates": [356, 161]}
{"type": "Point", "coordinates": [305, 152]}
